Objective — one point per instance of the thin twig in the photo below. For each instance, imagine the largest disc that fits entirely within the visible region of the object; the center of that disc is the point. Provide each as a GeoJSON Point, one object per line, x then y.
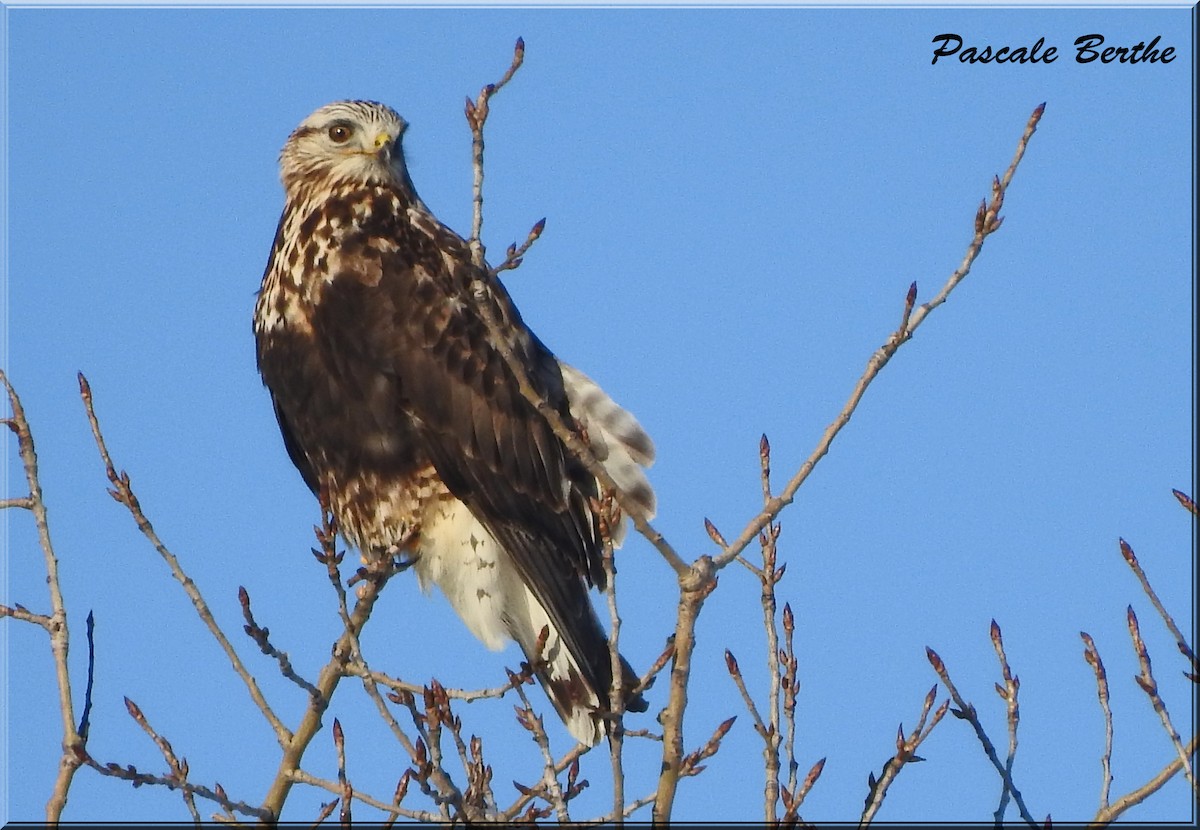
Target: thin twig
{"type": "Point", "coordinates": [514, 256]}
{"type": "Point", "coordinates": [735, 671]}
{"type": "Point", "coordinates": [1188, 504]}
{"type": "Point", "coordinates": [373, 574]}
{"type": "Point", "coordinates": [607, 513]}
{"type": "Point", "coordinates": [85, 720]}
{"type": "Point", "coordinates": [179, 770]}
{"type": "Point", "coordinates": [339, 747]}
{"type": "Point", "coordinates": [477, 112]}
{"type": "Point", "coordinates": [1109, 814]}
{"type": "Point", "coordinates": [1148, 685]}
{"type": "Point", "coordinates": [966, 711]}
{"type": "Point", "coordinates": [398, 685]}
{"type": "Point", "coordinates": [23, 614]}
{"type": "Point", "coordinates": [527, 795]}
{"type": "Point", "coordinates": [73, 745]}
{"type": "Point", "coordinates": [987, 222]}
{"type": "Point", "coordinates": [1092, 655]}
{"type": "Point", "coordinates": [768, 577]}
{"type": "Point", "coordinates": [216, 793]}
{"type": "Point", "coordinates": [694, 588]}
{"type": "Point", "coordinates": [299, 776]}
{"type": "Point", "coordinates": [789, 682]}
{"type": "Point", "coordinates": [122, 492]}
{"type": "Point", "coordinates": [327, 682]}
{"type": "Point", "coordinates": [1008, 693]}
{"type": "Point", "coordinates": [261, 636]}
{"type": "Point", "coordinates": [906, 752]}
{"type": "Point", "coordinates": [551, 789]}
{"type": "Point", "coordinates": [1132, 561]}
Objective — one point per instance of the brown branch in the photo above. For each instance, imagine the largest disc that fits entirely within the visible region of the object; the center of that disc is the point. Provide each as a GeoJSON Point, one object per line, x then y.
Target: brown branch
{"type": "Point", "coordinates": [23, 614]}
{"type": "Point", "coordinates": [987, 222]}
{"type": "Point", "coordinates": [906, 752]}
{"type": "Point", "coordinates": [768, 577]}
{"type": "Point", "coordinates": [179, 770]}
{"type": "Point", "coordinates": [299, 776]}
{"type": "Point", "coordinates": [693, 589]}
{"type": "Point", "coordinates": [1092, 655]}
{"type": "Point", "coordinates": [691, 764]}
{"type": "Point", "coordinates": [327, 682]}
{"type": "Point", "coordinates": [1132, 561]}
{"type": "Point", "coordinates": [477, 112]}
{"type": "Point", "coordinates": [347, 796]}
{"type": "Point", "coordinates": [261, 636]}
{"type": "Point", "coordinates": [1109, 814]}
{"type": "Point", "coordinates": [607, 514]}
{"type": "Point", "coordinates": [123, 493]}
{"type": "Point", "coordinates": [398, 685]}
{"type": "Point", "coordinates": [1148, 685]}
{"type": "Point", "coordinates": [1008, 693]}
{"type": "Point", "coordinates": [966, 711]}
{"type": "Point", "coordinates": [216, 793]}
{"type": "Point", "coordinates": [735, 671]}
{"type": "Point", "coordinates": [514, 256]}
{"type": "Point", "coordinates": [550, 788]}
{"type": "Point", "coordinates": [528, 794]}
{"type": "Point", "coordinates": [73, 745]}
{"type": "Point", "coordinates": [1186, 500]}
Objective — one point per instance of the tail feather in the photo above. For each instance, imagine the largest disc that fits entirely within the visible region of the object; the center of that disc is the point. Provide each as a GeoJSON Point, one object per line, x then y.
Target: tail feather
{"type": "Point", "coordinates": [616, 438]}
{"type": "Point", "coordinates": [580, 694]}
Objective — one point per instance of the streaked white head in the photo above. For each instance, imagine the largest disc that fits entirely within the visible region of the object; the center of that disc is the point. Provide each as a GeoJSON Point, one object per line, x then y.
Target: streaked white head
{"type": "Point", "coordinates": [345, 142]}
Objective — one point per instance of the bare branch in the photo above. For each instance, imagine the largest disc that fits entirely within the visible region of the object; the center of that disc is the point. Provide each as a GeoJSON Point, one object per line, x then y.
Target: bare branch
{"type": "Point", "coordinates": [1186, 500]}
{"type": "Point", "coordinates": [261, 636]}
{"type": "Point", "coordinates": [179, 771]}
{"type": "Point", "coordinates": [216, 793]}
{"type": "Point", "coordinates": [515, 256]}
{"type": "Point", "coordinates": [906, 752]}
{"type": "Point", "coordinates": [85, 718]}
{"type": "Point", "coordinates": [73, 744]}
{"type": "Point", "coordinates": [299, 776]}
{"type": "Point", "coordinates": [477, 112]}
{"type": "Point", "coordinates": [1109, 814]}
{"type": "Point", "coordinates": [20, 612]}
{"type": "Point", "coordinates": [616, 697]}
{"type": "Point", "coordinates": [123, 493]}
{"type": "Point", "coordinates": [1148, 685]}
{"type": "Point", "coordinates": [550, 789]}
{"type": "Point", "coordinates": [1132, 561]}
{"type": "Point", "coordinates": [1092, 655]}
{"type": "Point", "coordinates": [967, 712]}
{"type": "Point", "coordinates": [1008, 693]}
{"type": "Point", "coordinates": [328, 679]}
{"type": "Point", "coordinates": [693, 589]}
{"type": "Point", "coordinates": [987, 223]}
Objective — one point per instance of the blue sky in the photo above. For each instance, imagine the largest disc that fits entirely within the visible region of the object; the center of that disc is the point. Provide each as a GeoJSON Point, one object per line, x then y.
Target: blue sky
{"type": "Point", "coordinates": [736, 202]}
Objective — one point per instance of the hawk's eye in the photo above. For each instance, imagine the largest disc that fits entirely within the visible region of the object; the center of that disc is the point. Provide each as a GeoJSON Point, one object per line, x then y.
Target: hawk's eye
{"type": "Point", "coordinates": [340, 133]}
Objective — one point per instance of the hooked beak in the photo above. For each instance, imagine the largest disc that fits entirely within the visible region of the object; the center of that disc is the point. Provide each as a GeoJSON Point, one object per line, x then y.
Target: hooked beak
{"type": "Point", "coordinates": [383, 144]}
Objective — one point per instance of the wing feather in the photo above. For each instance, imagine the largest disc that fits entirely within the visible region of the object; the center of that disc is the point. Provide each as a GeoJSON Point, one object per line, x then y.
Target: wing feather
{"type": "Point", "coordinates": [399, 309]}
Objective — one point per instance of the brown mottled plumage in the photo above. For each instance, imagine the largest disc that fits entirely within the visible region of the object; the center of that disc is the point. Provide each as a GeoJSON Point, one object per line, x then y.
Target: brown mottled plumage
{"type": "Point", "coordinates": [392, 400]}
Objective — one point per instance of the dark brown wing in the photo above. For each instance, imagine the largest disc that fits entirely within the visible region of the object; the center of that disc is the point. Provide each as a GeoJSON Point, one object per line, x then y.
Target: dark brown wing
{"type": "Point", "coordinates": [399, 304]}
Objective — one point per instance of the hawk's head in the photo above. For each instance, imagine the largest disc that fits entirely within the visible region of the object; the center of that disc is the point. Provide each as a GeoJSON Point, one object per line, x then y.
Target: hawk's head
{"type": "Point", "coordinates": [346, 141]}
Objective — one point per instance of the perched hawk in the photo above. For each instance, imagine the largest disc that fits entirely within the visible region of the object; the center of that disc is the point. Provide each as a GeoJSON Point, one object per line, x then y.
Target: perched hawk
{"type": "Point", "coordinates": [393, 401]}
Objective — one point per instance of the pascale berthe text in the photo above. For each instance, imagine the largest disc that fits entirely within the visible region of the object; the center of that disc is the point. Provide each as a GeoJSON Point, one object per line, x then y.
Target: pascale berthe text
{"type": "Point", "coordinates": [1088, 48]}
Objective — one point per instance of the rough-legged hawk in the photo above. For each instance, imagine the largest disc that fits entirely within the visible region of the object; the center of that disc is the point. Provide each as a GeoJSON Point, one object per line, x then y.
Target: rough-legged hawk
{"type": "Point", "coordinates": [393, 401]}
